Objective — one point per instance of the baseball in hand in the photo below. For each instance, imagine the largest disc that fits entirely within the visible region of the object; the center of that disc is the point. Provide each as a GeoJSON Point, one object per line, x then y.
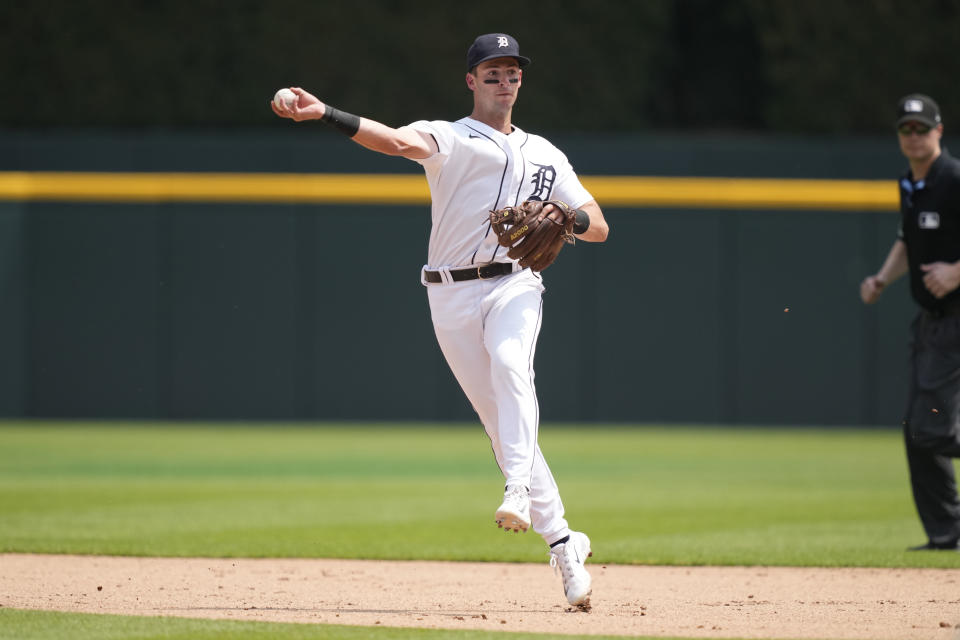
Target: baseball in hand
{"type": "Point", "coordinates": [285, 98]}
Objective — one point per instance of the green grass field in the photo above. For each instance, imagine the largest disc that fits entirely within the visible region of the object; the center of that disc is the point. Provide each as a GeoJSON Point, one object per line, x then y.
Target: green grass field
{"type": "Point", "coordinates": [40, 625]}
{"type": "Point", "coordinates": [650, 495]}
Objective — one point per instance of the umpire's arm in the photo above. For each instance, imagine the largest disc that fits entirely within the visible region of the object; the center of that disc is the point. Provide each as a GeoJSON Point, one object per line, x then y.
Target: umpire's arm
{"type": "Point", "coordinates": [893, 267]}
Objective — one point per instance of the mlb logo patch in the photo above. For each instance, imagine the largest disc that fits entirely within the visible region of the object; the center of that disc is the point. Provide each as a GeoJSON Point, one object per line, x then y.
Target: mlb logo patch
{"type": "Point", "coordinates": [929, 220]}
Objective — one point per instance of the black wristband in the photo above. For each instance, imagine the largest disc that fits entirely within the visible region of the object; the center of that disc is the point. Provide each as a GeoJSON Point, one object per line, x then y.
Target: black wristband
{"type": "Point", "coordinates": [346, 123]}
{"type": "Point", "coordinates": [582, 221]}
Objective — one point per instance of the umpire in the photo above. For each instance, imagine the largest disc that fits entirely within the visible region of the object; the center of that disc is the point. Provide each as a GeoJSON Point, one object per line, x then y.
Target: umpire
{"type": "Point", "coordinates": [928, 247]}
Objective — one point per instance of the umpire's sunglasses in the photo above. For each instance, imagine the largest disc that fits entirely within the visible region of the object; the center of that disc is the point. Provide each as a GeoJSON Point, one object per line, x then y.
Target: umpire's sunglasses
{"type": "Point", "coordinates": [908, 128]}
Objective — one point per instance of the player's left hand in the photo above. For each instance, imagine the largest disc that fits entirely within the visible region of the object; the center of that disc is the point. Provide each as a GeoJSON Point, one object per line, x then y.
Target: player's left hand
{"type": "Point", "coordinates": [940, 278]}
{"type": "Point", "coordinates": [535, 231]}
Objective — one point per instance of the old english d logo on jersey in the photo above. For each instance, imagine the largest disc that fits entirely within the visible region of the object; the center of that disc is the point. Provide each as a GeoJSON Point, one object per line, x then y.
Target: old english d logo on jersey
{"type": "Point", "coordinates": [542, 181]}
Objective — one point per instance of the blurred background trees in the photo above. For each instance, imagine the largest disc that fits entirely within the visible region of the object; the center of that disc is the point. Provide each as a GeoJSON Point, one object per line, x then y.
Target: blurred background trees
{"type": "Point", "coordinates": [819, 66]}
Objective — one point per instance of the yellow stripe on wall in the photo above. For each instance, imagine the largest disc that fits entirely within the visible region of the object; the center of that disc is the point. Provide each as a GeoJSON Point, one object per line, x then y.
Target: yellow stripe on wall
{"type": "Point", "coordinates": [610, 191]}
{"type": "Point", "coordinates": [215, 187]}
{"type": "Point", "coordinates": [745, 193]}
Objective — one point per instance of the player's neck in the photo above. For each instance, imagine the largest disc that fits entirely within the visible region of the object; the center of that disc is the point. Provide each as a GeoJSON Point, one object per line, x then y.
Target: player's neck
{"type": "Point", "coordinates": [499, 121]}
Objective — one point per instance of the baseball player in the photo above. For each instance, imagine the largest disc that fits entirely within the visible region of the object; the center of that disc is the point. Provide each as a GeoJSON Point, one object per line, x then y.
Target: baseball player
{"type": "Point", "coordinates": [486, 308]}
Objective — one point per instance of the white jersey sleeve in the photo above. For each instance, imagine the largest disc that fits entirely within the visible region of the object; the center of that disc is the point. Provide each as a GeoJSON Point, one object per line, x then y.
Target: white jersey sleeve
{"type": "Point", "coordinates": [443, 137]}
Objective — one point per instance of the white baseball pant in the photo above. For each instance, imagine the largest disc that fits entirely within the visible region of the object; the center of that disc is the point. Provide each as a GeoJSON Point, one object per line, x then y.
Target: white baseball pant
{"type": "Point", "coordinates": [487, 330]}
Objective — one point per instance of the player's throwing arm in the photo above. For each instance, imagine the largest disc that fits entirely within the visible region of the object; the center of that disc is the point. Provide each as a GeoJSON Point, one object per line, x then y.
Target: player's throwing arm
{"type": "Point", "coordinates": [300, 105]}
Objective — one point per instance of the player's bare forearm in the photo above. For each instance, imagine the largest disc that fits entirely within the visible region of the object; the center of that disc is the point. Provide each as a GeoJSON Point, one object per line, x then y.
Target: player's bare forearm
{"type": "Point", "coordinates": [598, 229]}
{"type": "Point", "coordinates": [404, 142]}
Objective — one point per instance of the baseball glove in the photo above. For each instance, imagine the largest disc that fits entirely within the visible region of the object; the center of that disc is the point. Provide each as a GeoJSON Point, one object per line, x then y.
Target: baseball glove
{"type": "Point", "coordinates": [534, 237]}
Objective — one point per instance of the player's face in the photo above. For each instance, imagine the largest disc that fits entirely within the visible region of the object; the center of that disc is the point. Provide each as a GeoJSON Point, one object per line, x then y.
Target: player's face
{"type": "Point", "coordinates": [496, 81]}
{"type": "Point", "coordinates": [918, 141]}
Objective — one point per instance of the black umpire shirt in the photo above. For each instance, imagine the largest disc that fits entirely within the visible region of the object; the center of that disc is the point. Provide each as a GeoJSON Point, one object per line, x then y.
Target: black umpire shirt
{"type": "Point", "coordinates": [930, 226]}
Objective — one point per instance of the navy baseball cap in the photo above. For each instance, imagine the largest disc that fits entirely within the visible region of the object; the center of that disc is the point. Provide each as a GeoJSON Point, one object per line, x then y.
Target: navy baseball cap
{"type": "Point", "coordinates": [917, 107]}
{"type": "Point", "coordinates": [494, 45]}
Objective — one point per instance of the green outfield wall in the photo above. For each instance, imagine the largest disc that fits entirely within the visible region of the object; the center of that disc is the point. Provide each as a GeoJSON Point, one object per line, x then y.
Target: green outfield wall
{"type": "Point", "coordinates": [138, 281]}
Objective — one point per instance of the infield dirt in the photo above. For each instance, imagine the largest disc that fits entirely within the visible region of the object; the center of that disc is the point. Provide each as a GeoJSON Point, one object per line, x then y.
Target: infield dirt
{"type": "Point", "coordinates": [694, 602]}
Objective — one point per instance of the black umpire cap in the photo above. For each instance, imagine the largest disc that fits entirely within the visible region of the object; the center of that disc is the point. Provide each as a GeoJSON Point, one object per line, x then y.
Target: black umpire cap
{"type": "Point", "coordinates": [494, 45]}
{"type": "Point", "coordinates": [917, 107]}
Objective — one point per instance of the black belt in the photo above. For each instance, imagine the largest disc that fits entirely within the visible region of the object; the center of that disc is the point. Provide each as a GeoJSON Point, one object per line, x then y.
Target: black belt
{"type": "Point", "coordinates": [483, 272]}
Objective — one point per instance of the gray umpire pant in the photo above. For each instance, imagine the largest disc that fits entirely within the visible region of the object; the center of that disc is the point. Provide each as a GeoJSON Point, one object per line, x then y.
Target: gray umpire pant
{"type": "Point", "coordinates": [932, 423]}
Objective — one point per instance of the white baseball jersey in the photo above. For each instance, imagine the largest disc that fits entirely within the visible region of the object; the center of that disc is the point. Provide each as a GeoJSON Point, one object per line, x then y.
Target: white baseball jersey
{"type": "Point", "coordinates": [477, 170]}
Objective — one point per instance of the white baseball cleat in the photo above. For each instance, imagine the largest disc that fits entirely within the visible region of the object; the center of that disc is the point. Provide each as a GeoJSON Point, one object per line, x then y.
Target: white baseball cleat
{"type": "Point", "coordinates": [569, 557]}
{"type": "Point", "coordinates": [514, 513]}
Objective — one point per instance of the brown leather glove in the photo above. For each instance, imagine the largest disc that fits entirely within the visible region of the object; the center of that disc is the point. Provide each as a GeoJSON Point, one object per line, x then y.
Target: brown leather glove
{"type": "Point", "coordinates": [534, 237]}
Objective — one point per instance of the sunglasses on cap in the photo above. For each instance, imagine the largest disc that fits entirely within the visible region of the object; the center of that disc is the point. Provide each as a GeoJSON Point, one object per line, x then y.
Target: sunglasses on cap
{"type": "Point", "coordinates": [909, 127]}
